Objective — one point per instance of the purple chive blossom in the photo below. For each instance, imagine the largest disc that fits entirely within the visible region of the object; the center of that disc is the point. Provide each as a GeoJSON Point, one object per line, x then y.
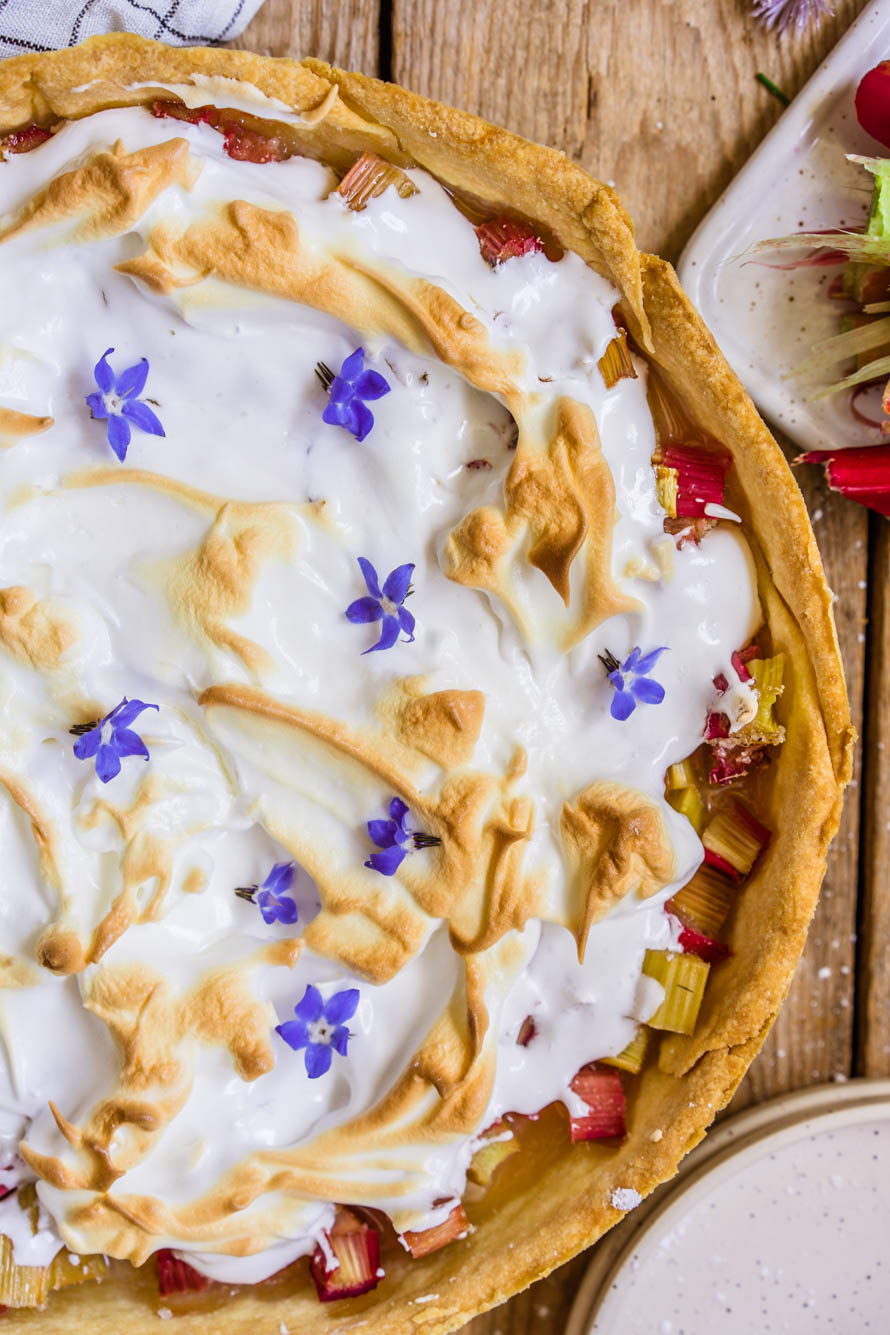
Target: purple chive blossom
{"type": "Point", "coordinates": [117, 402]}
{"type": "Point", "coordinates": [320, 1026]}
{"type": "Point", "coordinates": [785, 14]}
{"type": "Point", "coordinates": [631, 681]}
{"type": "Point", "coordinates": [394, 840]}
{"type": "Point", "coordinates": [385, 604]}
{"type": "Point", "coordinates": [273, 903]}
{"type": "Point", "coordinates": [348, 392]}
{"type": "Point", "coordinates": [111, 738]}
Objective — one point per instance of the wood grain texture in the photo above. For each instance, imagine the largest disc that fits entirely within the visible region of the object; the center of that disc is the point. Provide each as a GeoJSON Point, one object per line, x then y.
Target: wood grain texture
{"type": "Point", "coordinates": [659, 97]}
{"type": "Point", "coordinates": [343, 31]}
{"type": "Point", "coordinates": [873, 973]}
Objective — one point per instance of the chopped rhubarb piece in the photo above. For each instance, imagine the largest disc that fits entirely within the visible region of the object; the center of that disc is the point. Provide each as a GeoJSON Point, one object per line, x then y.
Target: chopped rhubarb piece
{"type": "Point", "coordinates": [22, 141]}
{"type": "Point", "coordinates": [431, 1239]}
{"type": "Point", "coordinates": [681, 775]}
{"type": "Point", "coordinates": [716, 725]}
{"type": "Point", "coordinates": [700, 477]}
{"type": "Point", "coordinates": [720, 864]}
{"type": "Point", "coordinates": [689, 530]}
{"type": "Point", "coordinates": [615, 363]}
{"type": "Point", "coordinates": [176, 1276]}
{"type": "Point", "coordinates": [741, 657]}
{"type": "Point", "coordinates": [682, 793]}
{"type": "Point", "coordinates": [705, 947]}
{"type": "Point", "coordinates": [631, 1058]}
{"type": "Point", "coordinates": [21, 1285]}
{"type": "Point", "coordinates": [368, 177]}
{"type": "Point", "coordinates": [861, 474]}
{"type": "Point", "coordinates": [734, 839]}
{"type": "Point", "coordinates": [247, 145]}
{"type": "Point", "coordinates": [672, 423]}
{"type": "Point", "coordinates": [732, 761]}
{"type": "Point", "coordinates": [208, 115]}
{"type": "Point", "coordinates": [603, 1093]}
{"type": "Point", "coordinates": [688, 802]}
{"type": "Point", "coordinates": [704, 902]}
{"type": "Point", "coordinates": [356, 1248]}
{"type": "Point", "coordinates": [527, 1031]}
{"type": "Point", "coordinates": [499, 1143]}
{"type": "Point", "coordinates": [240, 141]}
{"type": "Point", "coordinates": [666, 489]}
{"type": "Point", "coordinates": [683, 978]}
{"type": "Point", "coordinates": [768, 677]}
{"type": "Point", "coordinates": [504, 238]}
{"type": "Point", "coordinates": [721, 685]}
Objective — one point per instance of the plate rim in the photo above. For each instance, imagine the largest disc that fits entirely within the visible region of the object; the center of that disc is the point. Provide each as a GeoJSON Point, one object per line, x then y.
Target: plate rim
{"type": "Point", "coordinates": [712, 236]}
{"type": "Point", "coordinates": [734, 1135]}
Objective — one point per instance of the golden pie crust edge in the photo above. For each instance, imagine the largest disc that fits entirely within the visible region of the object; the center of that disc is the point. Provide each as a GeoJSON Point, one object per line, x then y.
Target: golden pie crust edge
{"type": "Point", "coordinates": [569, 1205]}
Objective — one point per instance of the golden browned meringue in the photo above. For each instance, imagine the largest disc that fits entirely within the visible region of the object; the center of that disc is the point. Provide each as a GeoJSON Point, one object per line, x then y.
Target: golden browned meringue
{"type": "Point", "coordinates": [550, 541]}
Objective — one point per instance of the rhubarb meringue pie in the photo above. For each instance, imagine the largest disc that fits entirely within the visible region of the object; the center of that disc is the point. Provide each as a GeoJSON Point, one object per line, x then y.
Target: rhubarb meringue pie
{"type": "Point", "coordinates": [422, 719]}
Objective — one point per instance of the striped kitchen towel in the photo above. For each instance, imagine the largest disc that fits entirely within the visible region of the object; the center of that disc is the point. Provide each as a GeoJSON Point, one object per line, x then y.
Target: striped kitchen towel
{"type": "Point", "coordinates": [43, 25]}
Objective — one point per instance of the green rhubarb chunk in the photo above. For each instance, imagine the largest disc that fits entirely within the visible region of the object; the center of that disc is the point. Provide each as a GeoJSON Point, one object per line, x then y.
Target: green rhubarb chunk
{"type": "Point", "coordinates": [633, 1056]}
{"type": "Point", "coordinates": [683, 978]}
{"type": "Point", "coordinates": [489, 1157]}
{"type": "Point", "coordinates": [879, 213]}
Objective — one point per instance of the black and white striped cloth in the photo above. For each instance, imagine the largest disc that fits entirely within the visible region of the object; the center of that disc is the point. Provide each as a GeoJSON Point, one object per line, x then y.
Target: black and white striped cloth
{"type": "Point", "coordinates": [43, 25]}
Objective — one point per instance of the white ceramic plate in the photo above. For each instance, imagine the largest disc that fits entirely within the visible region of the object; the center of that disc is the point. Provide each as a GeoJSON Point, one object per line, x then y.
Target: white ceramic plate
{"type": "Point", "coordinates": [778, 1222]}
{"type": "Point", "coordinates": [766, 320]}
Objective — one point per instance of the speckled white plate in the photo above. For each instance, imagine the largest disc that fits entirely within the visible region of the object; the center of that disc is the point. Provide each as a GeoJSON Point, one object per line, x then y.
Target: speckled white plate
{"type": "Point", "coordinates": [766, 320]}
{"type": "Point", "coordinates": [778, 1222]}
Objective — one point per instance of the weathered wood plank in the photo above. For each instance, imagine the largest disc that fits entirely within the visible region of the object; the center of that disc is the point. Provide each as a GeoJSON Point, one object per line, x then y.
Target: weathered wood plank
{"type": "Point", "coordinates": [873, 981]}
{"type": "Point", "coordinates": [343, 31]}
{"type": "Point", "coordinates": [661, 98]}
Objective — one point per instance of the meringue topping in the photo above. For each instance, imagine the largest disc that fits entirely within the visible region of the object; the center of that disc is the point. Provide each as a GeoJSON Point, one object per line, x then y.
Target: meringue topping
{"type": "Point", "coordinates": [210, 573]}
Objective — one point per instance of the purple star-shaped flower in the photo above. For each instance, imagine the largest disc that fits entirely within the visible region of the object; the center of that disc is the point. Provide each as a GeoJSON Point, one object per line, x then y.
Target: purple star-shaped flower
{"type": "Point", "coordinates": [273, 903]}
{"type": "Point", "coordinates": [391, 838]}
{"type": "Point", "coordinates": [320, 1026]}
{"type": "Point", "coordinates": [631, 681]}
{"type": "Point", "coordinates": [394, 839]}
{"type": "Point", "coordinates": [348, 392]}
{"type": "Point", "coordinates": [384, 604]}
{"type": "Point", "coordinates": [111, 739]}
{"type": "Point", "coordinates": [117, 402]}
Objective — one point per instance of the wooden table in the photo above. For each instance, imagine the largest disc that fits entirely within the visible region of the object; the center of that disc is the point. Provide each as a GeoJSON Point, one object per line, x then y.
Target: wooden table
{"type": "Point", "coordinates": [659, 98]}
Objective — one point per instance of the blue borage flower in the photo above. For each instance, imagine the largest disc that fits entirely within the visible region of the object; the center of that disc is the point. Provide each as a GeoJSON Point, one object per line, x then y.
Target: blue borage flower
{"type": "Point", "coordinates": [320, 1026]}
{"type": "Point", "coordinates": [394, 839]}
{"type": "Point", "coordinates": [270, 899]}
{"type": "Point", "coordinates": [385, 604]}
{"type": "Point", "coordinates": [117, 402]}
{"type": "Point", "coordinates": [631, 681]}
{"type": "Point", "coordinates": [348, 391]}
{"type": "Point", "coordinates": [111, 738]}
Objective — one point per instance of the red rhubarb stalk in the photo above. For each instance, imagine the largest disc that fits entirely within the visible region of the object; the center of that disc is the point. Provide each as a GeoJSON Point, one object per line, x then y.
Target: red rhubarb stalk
{"type": "Point", "coordinates": [176, 1276]}
{"type": "Point", "coordinates": [504, 238]}
{"type": "Point", "coordinates": [431, 1239]}
{"type": "Point", "coordinates": [603, 1093]}
{"type": "Point", "coordinates": [696, 943]}
{"type": "Point", "coordinates": [355, 1249]}
{"type": "Point", "coordinates": [700, 478]}
{"type": "Point", "coordinates": [862, 474]}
